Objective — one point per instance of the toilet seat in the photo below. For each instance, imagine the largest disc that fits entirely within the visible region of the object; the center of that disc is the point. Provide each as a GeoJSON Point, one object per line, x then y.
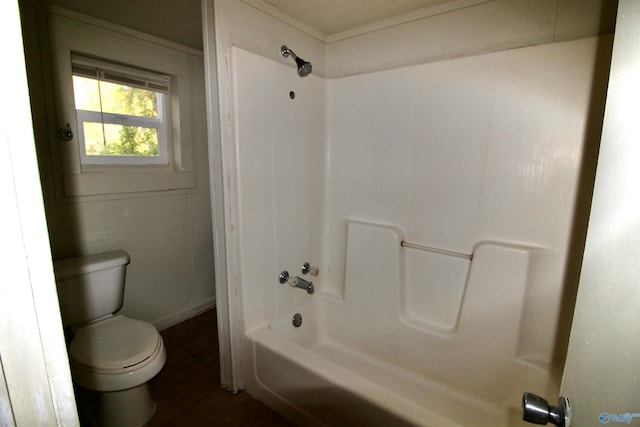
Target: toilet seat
{"type": "Point", "coordinates": [116, 353]}
{"type": "Point", "coordinates": [117, 342]}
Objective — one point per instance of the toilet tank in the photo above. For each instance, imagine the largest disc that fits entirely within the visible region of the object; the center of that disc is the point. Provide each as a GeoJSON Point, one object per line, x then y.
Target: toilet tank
{"type": "Point", "coordinates": [90, 287]}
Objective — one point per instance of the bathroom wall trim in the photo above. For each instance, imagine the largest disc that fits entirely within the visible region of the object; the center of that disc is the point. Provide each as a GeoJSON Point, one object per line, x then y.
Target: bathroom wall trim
{"type": "Point", "coordinates": [185, 314]}
{"type": "Point", "coordinates": [374, 26]}
{"type": "Point", "coordinates": [283, 17]}
{"type": "Point", "coordinates": [404, 18]}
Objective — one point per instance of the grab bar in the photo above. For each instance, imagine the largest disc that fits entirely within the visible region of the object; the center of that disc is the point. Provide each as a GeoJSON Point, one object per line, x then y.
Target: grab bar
{"type": "Point", "coordinates": [436, 250]}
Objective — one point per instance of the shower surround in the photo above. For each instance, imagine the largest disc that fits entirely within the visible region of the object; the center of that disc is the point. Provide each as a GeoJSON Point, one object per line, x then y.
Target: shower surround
{"type": "Point", "coordinates": [437, 202]}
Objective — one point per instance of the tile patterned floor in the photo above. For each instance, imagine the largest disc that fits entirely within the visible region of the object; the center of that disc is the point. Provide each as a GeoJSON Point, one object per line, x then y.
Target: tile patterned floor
{"type": "Point", "coordinates": [187, 391]}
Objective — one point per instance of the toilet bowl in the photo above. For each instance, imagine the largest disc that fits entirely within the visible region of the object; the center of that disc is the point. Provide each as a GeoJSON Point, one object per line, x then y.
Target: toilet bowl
{"type": "Point", "coordinates": [110, 354]}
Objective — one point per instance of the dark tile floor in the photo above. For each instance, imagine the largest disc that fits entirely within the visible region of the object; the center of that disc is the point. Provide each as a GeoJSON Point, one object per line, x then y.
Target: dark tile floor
{"type": "Point", "coordinates": [187, 391]}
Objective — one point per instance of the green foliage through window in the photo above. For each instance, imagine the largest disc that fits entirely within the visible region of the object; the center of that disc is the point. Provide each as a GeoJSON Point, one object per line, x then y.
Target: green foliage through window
{"type": "Point", "coordinates": [120, 140]}
{"type": "Point", "coordinates": [107, 109]}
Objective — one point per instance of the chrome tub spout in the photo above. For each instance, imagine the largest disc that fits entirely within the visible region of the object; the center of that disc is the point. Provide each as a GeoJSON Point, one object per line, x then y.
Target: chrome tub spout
{"type": "Point", "coordinates": [296, 282]}
{"type": "Point", "coordinates": [299, 282]}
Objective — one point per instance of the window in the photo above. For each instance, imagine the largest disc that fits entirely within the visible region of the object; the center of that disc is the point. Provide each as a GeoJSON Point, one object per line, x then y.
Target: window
{"type": "Point", "coordinates": [122, 113]}
{"type": "Point", "coordinates": [164, 81]}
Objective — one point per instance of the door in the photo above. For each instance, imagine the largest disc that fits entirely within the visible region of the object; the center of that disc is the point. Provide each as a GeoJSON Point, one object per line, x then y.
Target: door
{"type": "Point", "coordinates": [602, 372]}
{"type": "Point", "coordinates": [35, 381]}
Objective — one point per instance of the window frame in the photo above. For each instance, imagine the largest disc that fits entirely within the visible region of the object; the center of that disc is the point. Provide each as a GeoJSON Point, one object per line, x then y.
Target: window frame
{"type": "Point", "coordinates": [104, 71]}
{"type": "Point", "coordinates": [160, 123]}
{"type": "Point", "coordinates": [69, 35]}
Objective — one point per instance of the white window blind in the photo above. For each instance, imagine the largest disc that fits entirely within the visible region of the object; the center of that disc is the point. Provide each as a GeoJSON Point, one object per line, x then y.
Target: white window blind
{"type": "Point", "coordinates": [114, 73]}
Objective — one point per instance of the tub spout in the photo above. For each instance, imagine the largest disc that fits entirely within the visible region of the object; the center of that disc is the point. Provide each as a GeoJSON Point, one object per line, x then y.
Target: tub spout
{"type": "Point", "coordinates": [296, 282]}
{"type": "Point", "coordinates": [299, 282]}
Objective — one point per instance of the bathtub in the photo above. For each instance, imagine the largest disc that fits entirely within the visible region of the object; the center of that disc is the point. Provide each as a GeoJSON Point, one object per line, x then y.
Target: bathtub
{"type": "Point", "coordinates": [370, 359]}
{"type": "Point", "coordinates": [326, 383]}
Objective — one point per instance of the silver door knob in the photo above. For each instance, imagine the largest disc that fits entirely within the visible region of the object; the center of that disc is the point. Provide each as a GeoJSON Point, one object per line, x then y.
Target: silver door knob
{"type": "Point", "coordinates": [537, 410]}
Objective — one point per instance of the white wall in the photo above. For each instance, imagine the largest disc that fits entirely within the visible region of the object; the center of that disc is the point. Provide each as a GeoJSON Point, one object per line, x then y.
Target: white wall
{"type": "Point", "coordinates": [491, 26]}
{"type": "Point", "coordinates": [425, 35]}
{"type": "Point", "coordinates": [167, 233]}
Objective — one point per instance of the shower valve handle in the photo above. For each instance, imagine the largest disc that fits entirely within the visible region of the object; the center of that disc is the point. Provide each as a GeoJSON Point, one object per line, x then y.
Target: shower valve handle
{"type": "Point", "coordinates": [284, 277]}
{"type": "Point", "coordinates": [307, 269]}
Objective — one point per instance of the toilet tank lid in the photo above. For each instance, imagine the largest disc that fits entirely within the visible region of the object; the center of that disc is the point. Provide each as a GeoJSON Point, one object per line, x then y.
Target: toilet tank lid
{"type": "Point", "coordinates": [90, 263]}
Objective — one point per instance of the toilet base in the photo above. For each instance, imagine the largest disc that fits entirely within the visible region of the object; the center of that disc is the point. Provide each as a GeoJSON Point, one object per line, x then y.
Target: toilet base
{"type": "Point", "coordinates": [126, 408]}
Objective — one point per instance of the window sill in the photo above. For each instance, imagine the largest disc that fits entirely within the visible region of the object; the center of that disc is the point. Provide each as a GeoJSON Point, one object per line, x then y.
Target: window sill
{"type": "Point", "coordinates": [101, 183]}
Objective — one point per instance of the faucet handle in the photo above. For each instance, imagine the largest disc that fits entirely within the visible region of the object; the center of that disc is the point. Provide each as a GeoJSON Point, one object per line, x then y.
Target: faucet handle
{"type": "Point", "coordinates": [313, 271]}
{"type": "Point", "coordinates": [290, 280]}
{"type": "Point", "coordinates": [284, 277]}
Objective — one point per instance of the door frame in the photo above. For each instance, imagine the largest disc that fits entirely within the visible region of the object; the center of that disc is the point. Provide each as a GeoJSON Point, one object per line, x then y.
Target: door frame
{"type": "Point", "coordinates": [35, 379]}
{"type": "Point", "coordinates": [601, 370]}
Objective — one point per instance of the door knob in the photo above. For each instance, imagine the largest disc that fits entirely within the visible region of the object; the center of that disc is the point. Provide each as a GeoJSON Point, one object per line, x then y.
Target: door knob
{"type": "Point", "coordinates": [537, 410]}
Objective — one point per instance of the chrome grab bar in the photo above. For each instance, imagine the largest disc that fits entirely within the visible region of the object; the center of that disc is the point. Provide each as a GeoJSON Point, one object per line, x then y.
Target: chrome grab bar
{"type": "Point", "coordinates": [436, 250]}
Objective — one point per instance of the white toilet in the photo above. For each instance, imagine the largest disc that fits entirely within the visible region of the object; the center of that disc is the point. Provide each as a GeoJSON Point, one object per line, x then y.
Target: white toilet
{"type": "Point", "coordinates": [109, 353]}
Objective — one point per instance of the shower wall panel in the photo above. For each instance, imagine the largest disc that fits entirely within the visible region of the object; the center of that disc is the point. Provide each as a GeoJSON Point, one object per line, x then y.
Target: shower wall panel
{"type": "Point", "coordinates": [279, 124]}
{"type": "Point", "coordinates": [456, 154]}
{"type": "Point", "coordinates": [453, 154]}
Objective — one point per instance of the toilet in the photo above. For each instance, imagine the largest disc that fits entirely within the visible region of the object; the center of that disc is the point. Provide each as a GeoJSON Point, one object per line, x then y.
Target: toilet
{"type": "Point", "coordinates": [110, 354]}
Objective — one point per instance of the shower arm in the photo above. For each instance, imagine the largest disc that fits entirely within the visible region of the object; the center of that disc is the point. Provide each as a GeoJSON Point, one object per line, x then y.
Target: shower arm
{"type": "Point", "coordinates": [285, 51]}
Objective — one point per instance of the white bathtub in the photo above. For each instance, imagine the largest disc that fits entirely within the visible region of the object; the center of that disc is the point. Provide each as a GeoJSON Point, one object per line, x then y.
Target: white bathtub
{"type": "Point", "coordinates": [367, 360]}
{"type": "Point", "coordinates": [325, 383]}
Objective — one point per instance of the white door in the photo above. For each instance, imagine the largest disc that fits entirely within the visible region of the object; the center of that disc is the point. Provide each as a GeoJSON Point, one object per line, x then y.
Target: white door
{"type": "Point", "coordinates": [602, 372]}
{"type": "Point", "coordinates": [35, 381]}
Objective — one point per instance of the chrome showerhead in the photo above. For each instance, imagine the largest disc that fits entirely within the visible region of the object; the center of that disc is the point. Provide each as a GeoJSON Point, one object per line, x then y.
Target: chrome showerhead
{"type": "Point", "coordinates": [304, 67]}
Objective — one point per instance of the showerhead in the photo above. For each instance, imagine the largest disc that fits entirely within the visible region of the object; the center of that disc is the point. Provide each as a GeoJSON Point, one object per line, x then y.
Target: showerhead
{"type": "Point", "coordinates": [304, 67]}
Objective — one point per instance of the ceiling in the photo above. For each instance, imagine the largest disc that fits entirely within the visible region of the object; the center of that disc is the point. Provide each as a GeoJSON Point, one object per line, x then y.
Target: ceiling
{"type": "Point", "coordinates": [180, 21]}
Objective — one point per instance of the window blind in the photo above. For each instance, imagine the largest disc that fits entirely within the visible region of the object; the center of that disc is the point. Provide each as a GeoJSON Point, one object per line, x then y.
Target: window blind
{"type": "Point", "coordinates": [113, 73]}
